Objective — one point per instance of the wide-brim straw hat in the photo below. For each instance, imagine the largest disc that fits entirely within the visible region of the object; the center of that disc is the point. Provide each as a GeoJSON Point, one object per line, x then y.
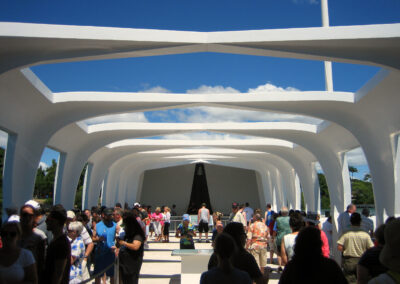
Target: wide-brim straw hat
{"type": "Point", "coordinates": [390, 254]}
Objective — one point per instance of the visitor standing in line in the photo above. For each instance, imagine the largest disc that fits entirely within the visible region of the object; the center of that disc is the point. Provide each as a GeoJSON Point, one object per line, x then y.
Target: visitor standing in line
{"type": "Point", "coordinates": [58, 256]}
{"type": "Point", "coordinates": [203, 215]}
{"type": "Point", "coordinates": [131, 249]}
{"type": "Point", "coordinates": [353, 244]}
{"type": "Point", "coordinates": [104, 235]}
{"type": "Point", "coordinates": [344, 219]}
{"type": "Point", "coordinates": [17, 265]}
{"type": "Point", "coordinates": [237, 215]}
{"type": "Point", "coordinates": [296, 223]}
{"type": "Point", "coordinates": [366, 223]}
{"type": "Point", "coordinates": [157, 219]}
{"type": "Point", "coordinates": [167, 222]}
{"type": "Point", "coordinates": [257, 241]}
{"type": "Point", "coordinates": [281, 228]}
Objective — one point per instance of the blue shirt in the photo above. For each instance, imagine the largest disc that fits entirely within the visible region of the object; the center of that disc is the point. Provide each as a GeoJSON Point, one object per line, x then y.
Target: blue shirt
{"type": "Point", "coordinates": [108, 233]}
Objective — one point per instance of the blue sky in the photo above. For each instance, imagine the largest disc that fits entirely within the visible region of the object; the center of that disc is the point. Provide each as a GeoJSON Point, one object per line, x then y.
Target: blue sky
{"type": "Point", "coordinates": [200, 72]}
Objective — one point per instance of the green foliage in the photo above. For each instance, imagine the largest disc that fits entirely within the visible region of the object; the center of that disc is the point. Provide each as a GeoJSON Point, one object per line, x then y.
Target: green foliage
{"type": "Point", "coordinates": [352, 170]}
{"type": "Point", "coordinates": [44, 183]}
{"type": "Point", "coordinates": [79, 190]}
{"type": "Point", "coordinates": [362, 192]}
{"type": "Point", "coordinates": [325, 199]}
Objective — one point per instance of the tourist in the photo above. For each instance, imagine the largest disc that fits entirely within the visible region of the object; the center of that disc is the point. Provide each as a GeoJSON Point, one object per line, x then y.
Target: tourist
{"type": "Point", "coordinates": [241, 259]}
{"type": "Point", "coordinates": [281, 228]}
{"type": "Point", "coordinates": [17, 265]}
{"type": "Point", "coordinates": [118, 212]}
{"type": "Point", "coordinates": [58, 256]}
{"type": "Point", "coordinates": [249, 213]}
{"type": "Point", "coordinates": [312, 219]}
{"type": "Point", "coordinates": [118, 205]}
{"type": "Point", "coordinates": [328, 230]}
{"type": "Point", "coordinates": [237, 215]}
{"type": "Point", "coordinates": [30, 239]}
{"type": "Point", "coordinates": [369, 265]}
{"type": "Point", "coordinates": [89, 215]}
{"type": "Point", "coordinates": [308, 265]}
{"type": "Point", "coordinates": [173, 210]}
{"type": "Point", "coordinates": [296, 223]}
{"type": "Point", "coordinates": [203, 215]}
{"type": "Point", "coordinates": [77, 253]}
{"type": "Point", "coordinates": [219, 228]}
{"type": "Point", "coordinates": [85, 236]}
{"type": "Point", "coordinates": [167, 222]}
{"type": "Point", "coordinates": [185, 231]}
{"type": "Point", "coordinates": [257, 241]}
{"type": "Point", "coordinates": [131, 249]}
{"type": "Point", "coordinates": [104, 235]}
{"type": "Point", "coordinates": [353, 244]}
{"type": "Point", "coordinates": [389, 255]}
{"type": "Point", "coordinates": [268, 217]}
{"type": "Point", "coordinates": [224, 272]}
{"type": "Point", "coordinates": [344, 219]}
{"type": "Point", "coordinates": [157, 219]}
{"type": "Point", "coordinates": [367, 225]}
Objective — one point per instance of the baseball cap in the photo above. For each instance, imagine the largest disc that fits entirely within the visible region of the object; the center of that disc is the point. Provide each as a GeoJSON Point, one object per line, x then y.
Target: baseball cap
{"type": "Point", "coordinates": [35, 205]}
{"type": "Point", "coordinates": [108, 211]}
{"type": "Point", "coordinates": [185, 217]}
{"type": "Point", "coordinates": [70, 214]}
{"type": "Point", "coordinates": [137, 204]}
{"type": "Point", "coordinates": [13, 218]}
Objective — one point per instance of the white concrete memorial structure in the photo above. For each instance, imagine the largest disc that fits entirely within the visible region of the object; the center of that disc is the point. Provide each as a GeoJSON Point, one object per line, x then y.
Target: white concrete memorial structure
{"type": "Point", "coordinates": [283, 157]}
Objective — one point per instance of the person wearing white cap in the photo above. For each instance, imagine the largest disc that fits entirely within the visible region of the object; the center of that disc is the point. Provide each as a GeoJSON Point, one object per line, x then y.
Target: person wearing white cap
{"type": "Point", "coordinates": [30, 239]}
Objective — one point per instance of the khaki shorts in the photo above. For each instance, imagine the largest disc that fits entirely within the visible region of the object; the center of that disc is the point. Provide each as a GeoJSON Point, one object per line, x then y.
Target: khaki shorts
{"type": "Point", "coordinates": [260, 255]}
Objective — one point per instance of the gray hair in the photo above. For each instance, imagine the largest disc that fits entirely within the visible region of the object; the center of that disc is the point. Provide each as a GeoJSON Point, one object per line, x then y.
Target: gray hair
{"type": "Point", "coordinates": [284, 211]}
{"type": "Point", "coordinates": [76, 226]}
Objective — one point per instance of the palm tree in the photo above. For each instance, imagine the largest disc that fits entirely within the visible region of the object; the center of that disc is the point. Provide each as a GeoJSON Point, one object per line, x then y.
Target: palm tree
{"type": "Point", "coordinates": [367, 177]}
{"type": "Point", "coordinates": [352, 170]}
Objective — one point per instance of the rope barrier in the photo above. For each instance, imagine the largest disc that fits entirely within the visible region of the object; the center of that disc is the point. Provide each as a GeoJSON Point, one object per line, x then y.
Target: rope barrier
{"type": "Point", "coordinates": [116, 274]}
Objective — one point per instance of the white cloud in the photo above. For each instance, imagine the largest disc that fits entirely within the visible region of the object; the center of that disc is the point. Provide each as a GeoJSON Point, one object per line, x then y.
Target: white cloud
{"type": "Point", "coordinates": [356, 157]}
{"type": "Point", "coordinates": [268, 87]}
{"type": "Point", "coordinates": [212, 90]}
{"type": "Point", "coordinates": [123, 117]}
{"type": "Point", "coordinates": [156, 89]}
{"type": "Point", "coordinates": [3, 139]}
{"type": "Point", "coordinates": [43, 165]}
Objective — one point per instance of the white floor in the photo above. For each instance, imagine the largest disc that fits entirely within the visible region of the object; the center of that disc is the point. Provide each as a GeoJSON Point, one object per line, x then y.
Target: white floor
{"type": "Point", "coordinates": [159, 267]}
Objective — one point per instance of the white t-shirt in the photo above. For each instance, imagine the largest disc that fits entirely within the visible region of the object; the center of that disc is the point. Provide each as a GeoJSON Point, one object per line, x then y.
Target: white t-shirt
{"type": "Point", "coordinates": [167, 217]}
{"type": "Point", "coordinates": [289, 240]}
{"type": "Point", "coordinates": [15, 272]}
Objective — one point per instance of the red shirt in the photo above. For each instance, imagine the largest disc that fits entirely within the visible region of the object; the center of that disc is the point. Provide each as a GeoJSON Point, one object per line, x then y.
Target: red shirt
{"type": "Point", "coordinates": [325, 244]}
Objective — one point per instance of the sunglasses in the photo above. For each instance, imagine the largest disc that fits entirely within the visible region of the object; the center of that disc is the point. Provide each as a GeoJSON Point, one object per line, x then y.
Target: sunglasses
{"type": "Point", "coordinates": [25, 214]}
{"type": "Point", "coordinates": [8, 234]}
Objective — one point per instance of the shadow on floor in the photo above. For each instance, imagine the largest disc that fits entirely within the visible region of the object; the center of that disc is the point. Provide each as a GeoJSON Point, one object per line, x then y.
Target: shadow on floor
{"type": "Point", "coordinates": [158, 249]}
{"type": "Point", "coordinates": [173, 279]}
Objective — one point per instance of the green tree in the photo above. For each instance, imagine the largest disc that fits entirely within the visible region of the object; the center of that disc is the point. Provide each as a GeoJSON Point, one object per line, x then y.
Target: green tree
{"type": "Point", "coordinates": [352, 170]}
{"type": "Point", "coordinates": [325, 198]}
{"type": "Point", "coordinates": [79, 190]}
{"type": "Point", "coordinates": [367, 177]}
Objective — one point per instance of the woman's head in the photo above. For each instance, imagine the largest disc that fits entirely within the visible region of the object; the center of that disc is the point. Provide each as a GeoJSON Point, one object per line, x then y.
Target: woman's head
{"type": "Point", "coordinates": [10, 232]}
{"type": "Point", "coordinates": [308, 243]}
{"type": "Point", "coordinates": [225, 246]}
{"type": "Point", "coordinates": [158, 210]}
{"type": "Point", "coordinates": [131, 225]}
{"type": "Point", "coordinates": [296, 222]}
{"type": "Point", "coordinates": [74, 229]}
{"type": "Point", "coordinates": [236, 231]}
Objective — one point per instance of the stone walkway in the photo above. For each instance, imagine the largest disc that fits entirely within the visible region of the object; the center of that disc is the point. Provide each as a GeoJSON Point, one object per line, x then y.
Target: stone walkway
{"type": "Point", "coordinates": [159, 267]}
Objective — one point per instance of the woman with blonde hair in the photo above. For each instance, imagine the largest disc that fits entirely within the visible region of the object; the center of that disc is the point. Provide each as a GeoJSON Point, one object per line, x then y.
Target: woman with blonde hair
{"type": "Point", "coordinates": [167, 221]}
{"type": "Point", "coordinates": [157, 219]}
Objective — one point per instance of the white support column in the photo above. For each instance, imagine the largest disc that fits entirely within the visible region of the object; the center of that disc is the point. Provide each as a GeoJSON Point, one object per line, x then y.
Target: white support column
{"type": "Point", "coordinates": [104, 190]}
{"type": "Point", "coordinates": [346, 179]}
{"type": "Point", "coordinates": [396, 162]}
{"type": "Point", "coordinates": [297, 192]}
{"type": "Point", "coordinates": [8, 199]}
{"type": "Point", "coordinates": [86, 184]}
{"type": "Point", "coordinates": [317, 191]}
{"type": "Point", "coordinates": [58, 179]}
{"type": "Point", "coordinates": [327, 64]}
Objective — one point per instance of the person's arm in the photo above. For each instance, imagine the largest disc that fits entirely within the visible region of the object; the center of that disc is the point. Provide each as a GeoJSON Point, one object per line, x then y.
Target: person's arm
{"type": "Point", "coordinates": [198, 217]}
{"type": "Point", "coordinates": [363, 275]}
{"type": "Point", "coordinates": [88, 250]}
{"type": "Point", "coordinates": [340, 247]}
{"type": "Point", "coordinates": [283, 252]}
{"type": "Point", "coordinates": [135, 245]}
{"type": "Point", "coordinates": [30, 274]}
{"type": "Point", "coordinates": [59, 266]}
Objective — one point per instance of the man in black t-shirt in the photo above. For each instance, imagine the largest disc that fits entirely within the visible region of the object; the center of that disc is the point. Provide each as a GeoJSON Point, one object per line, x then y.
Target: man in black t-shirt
{"type": "Point", "coordinates": [58, 258]}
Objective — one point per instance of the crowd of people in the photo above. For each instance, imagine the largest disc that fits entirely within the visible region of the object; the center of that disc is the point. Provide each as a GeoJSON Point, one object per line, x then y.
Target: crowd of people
{"type": "Point", "coordinates": [60, 246]}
